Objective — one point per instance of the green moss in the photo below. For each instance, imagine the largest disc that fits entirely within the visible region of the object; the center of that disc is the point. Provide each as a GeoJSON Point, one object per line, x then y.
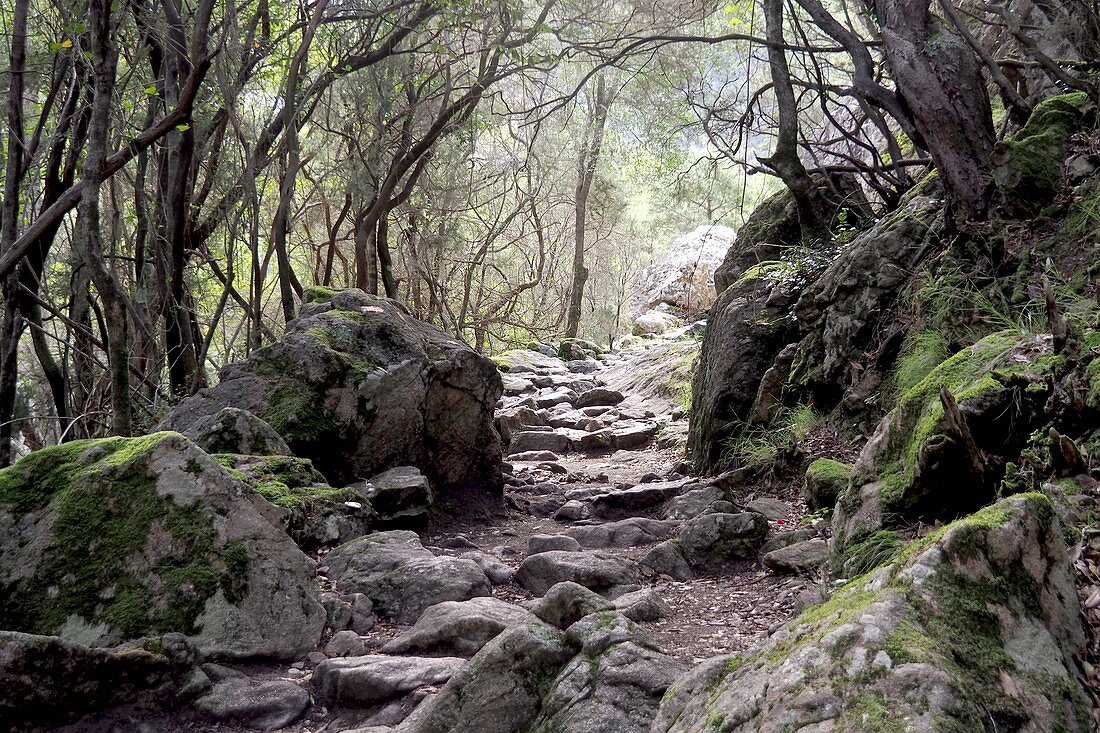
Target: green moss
{"type": "Point", "coordinates": [769, 270]}
{"type": "Point", "coordinates": [288, 481]}
{"type": "Point", "coordinates": [317, 294]}
{"type": "Point", "coordinates": [828, 471]}
{"type": "Point", "coordinates": [869, 713]}
{"type": "Point", "coordinates": [107, 506]}
{"type": "Point", "coordinates": [985, 367]}
{"type": "Point", "coordinates": [1029, 163]}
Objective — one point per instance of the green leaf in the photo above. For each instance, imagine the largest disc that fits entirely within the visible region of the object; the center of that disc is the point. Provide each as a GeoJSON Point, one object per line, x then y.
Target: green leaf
{"type": "Point", "coordinates": [183, 127]}
{"type": "Point", "coordinates": [151, 89]}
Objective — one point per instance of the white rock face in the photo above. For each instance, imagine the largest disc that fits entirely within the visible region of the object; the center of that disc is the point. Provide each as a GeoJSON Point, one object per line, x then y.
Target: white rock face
{"type": "Point", "coordinates": [684, 276]}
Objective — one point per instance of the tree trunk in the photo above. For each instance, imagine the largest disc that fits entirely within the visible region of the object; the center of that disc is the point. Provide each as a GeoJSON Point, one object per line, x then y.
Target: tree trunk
{"type": "Point", "coordinates": [11, 326]}
{"type": "Point", "coordinates": [940, 80]}
{"type": "Point", "coordinates": [587, 161]}
{"type": "Point", "coordinates": [813, 214]}
{"type": "Point", "coordinates": [88, 235]}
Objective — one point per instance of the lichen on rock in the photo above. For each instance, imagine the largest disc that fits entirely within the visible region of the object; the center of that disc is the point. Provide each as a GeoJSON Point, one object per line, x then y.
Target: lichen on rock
{"type": "Point", "coordinates": [113, 539]}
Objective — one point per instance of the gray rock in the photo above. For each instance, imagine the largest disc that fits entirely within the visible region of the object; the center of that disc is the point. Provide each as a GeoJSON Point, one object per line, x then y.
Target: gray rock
{"type": "Point", "coordinates": [556, 397]}
{"type": "Point", "coordinates": [633, 434]}
{"type": "Point", "coordinates": [683, 277]}
{"type": "Point", "coordinates": [770, 507]}
{"type": "Point", "coordinates": [544, 506]}
{"type": "Point", "coordinates": [231, 430]}
{"type": "Point", "coordinates": [801, 557]}
{"type": "Point", "coordinates": [642, 605]}
{"type": "Point", "coordinates": [496, 571]}
{"type": "Point", "coordinates": [358, 385]}
{"type": "Point", "coordinates": [547, 542]}
{"type": "Point", "coordinates": [711, 541]}
{"type": "Point", "coordinates": [401, 577]}
{"type": "Point", "coordinates": [599, 396]}
{"type": "Point", "coordinates": [345, 644]}
{"type": "Point", "coordinates": [528, 441]}
{"type": "Point", "coordinates": [566, 603]}
{"type": "Point", "coordinates": [614, 685]}
{"type": "Point", "coordinates": [668, 559]}
{"type": "Point", "coordinates": [655, 322]}
{"type": "Point", "coordinates": [349, 611]}
{"type": "Point", "coordinates": [573, 511]}
{"type": "Point", "coordinates": [693, 503]}
{"type": "Point", "coordinates": [619, 503]}
{"type": "Point", "coordinates": [783, 539]}
{"type": "Point", "coordinates": [594, 570]}
{"type": "Point", "coordinates": [632, 532]}
{"type": "Point", "coordinates": [938, 658]}
{"type": "Point", "coordinates": [156, 516]}
{"type": "Point", "coordinates": [534, 455]}
{"type": "Point", "coordinates": [458, 628]}
{"type": "Point", "coordinates": [516, 420]}
{"type": "Point", "coordinates": [371, 679]}
{"type": "Point", "coordinates": [502, 687]}
{"type": "Point", "coordinates": [46, 681]}
{"type": "Point", "coordinates": [261, 705]}
{"type": "Point", "coordinates": [399, 495]}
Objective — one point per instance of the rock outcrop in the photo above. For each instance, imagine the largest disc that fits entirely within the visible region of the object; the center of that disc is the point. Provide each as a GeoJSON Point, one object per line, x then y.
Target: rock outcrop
{"type": "Point", "coordinates": [46, 681]}
{"type": "Point", "coordinates": [976, 625]}
{"type": "Point", "coordinates": [916, 467]}
{"type": "Point", "coordinates": [401, 577]}
{"type": "Point", "coordinates": [107, 540]}
{"type": "Point", "coordinates": [359, 386]}
{"type": "Point", "coordinates": [683, 277]}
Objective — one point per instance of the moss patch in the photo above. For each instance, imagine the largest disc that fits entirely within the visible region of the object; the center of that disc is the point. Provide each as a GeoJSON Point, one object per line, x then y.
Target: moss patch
{"type": "Point", "coordinates": [108, 517]}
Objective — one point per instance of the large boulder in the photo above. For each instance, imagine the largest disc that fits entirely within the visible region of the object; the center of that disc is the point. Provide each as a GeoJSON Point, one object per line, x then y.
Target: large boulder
{"type": "Point", "coordinates": [459, 628]}
{"type": "Point", "coordinates": [973, 628]}
{"type": "Point", "coordinates": [402, 577]}
{"type": "Point", "coordinates": [747, 327]}
{"type": "Point", "coordinates": [915, 469]}
{"type": "Point", "coordinates": [683, 277]}
{"type": "Point", "coordinates": [374, 678]}
{"type": "Point", "coordinates": [767, 235]}
{"type": "Point", "coordinates": [712, 541]}
{"type": "Point", "coordinates": [596, 570]}
{"type": "Point", "coordinates": [615, 683]}
{"type": "Point", "coordinates": [107, 540]}
{"type": "Point", "coordinates": [359, 386]}
{"type": "Point", "coordinates": [45, 680]}
{"type": "Point", "coordinates": [501, 688]}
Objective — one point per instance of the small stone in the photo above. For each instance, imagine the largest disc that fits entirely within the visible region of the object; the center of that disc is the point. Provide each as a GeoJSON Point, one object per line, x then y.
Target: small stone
{"type": "Point", "coordinates": [547, 542]}
{"type": "Point", "coordinates": [345, 644]}
{"type": "Point", "coordinates": [259, 705]}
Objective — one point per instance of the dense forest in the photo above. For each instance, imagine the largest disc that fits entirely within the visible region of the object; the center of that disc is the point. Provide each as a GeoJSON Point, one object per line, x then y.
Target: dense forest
{"type": "Point", "coordinates": [550, 366]}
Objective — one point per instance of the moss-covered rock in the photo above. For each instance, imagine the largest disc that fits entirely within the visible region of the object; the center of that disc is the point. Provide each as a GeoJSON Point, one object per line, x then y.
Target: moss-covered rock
{"type": "Point", "coordinates": [107, 540]}
{"type": "Point", "coordinates": [826, 479]}
{"type": "Point", "coordinates": [358, 386]}
{"type": "Point", "coordinates": [313, 513]}
{"type": "Point", "coordinates": [972, 627]}
{"type": "Point", "coordinates": [913, 470]}
{"type": "Point", "coordinates": [1027, 166]}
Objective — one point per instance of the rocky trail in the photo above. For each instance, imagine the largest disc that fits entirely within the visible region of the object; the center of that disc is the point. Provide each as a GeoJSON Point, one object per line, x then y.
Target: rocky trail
{"type": "Point", "coordinates": [599, 515]}
{"type": "Point", "coordinates": [592, 499]}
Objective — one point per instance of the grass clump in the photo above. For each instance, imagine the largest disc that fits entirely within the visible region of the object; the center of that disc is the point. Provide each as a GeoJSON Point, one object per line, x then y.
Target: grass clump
{"type": "Point", "coordinates": [761, 446]}
{"type": "Point", "coordinates": [921, 352]}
